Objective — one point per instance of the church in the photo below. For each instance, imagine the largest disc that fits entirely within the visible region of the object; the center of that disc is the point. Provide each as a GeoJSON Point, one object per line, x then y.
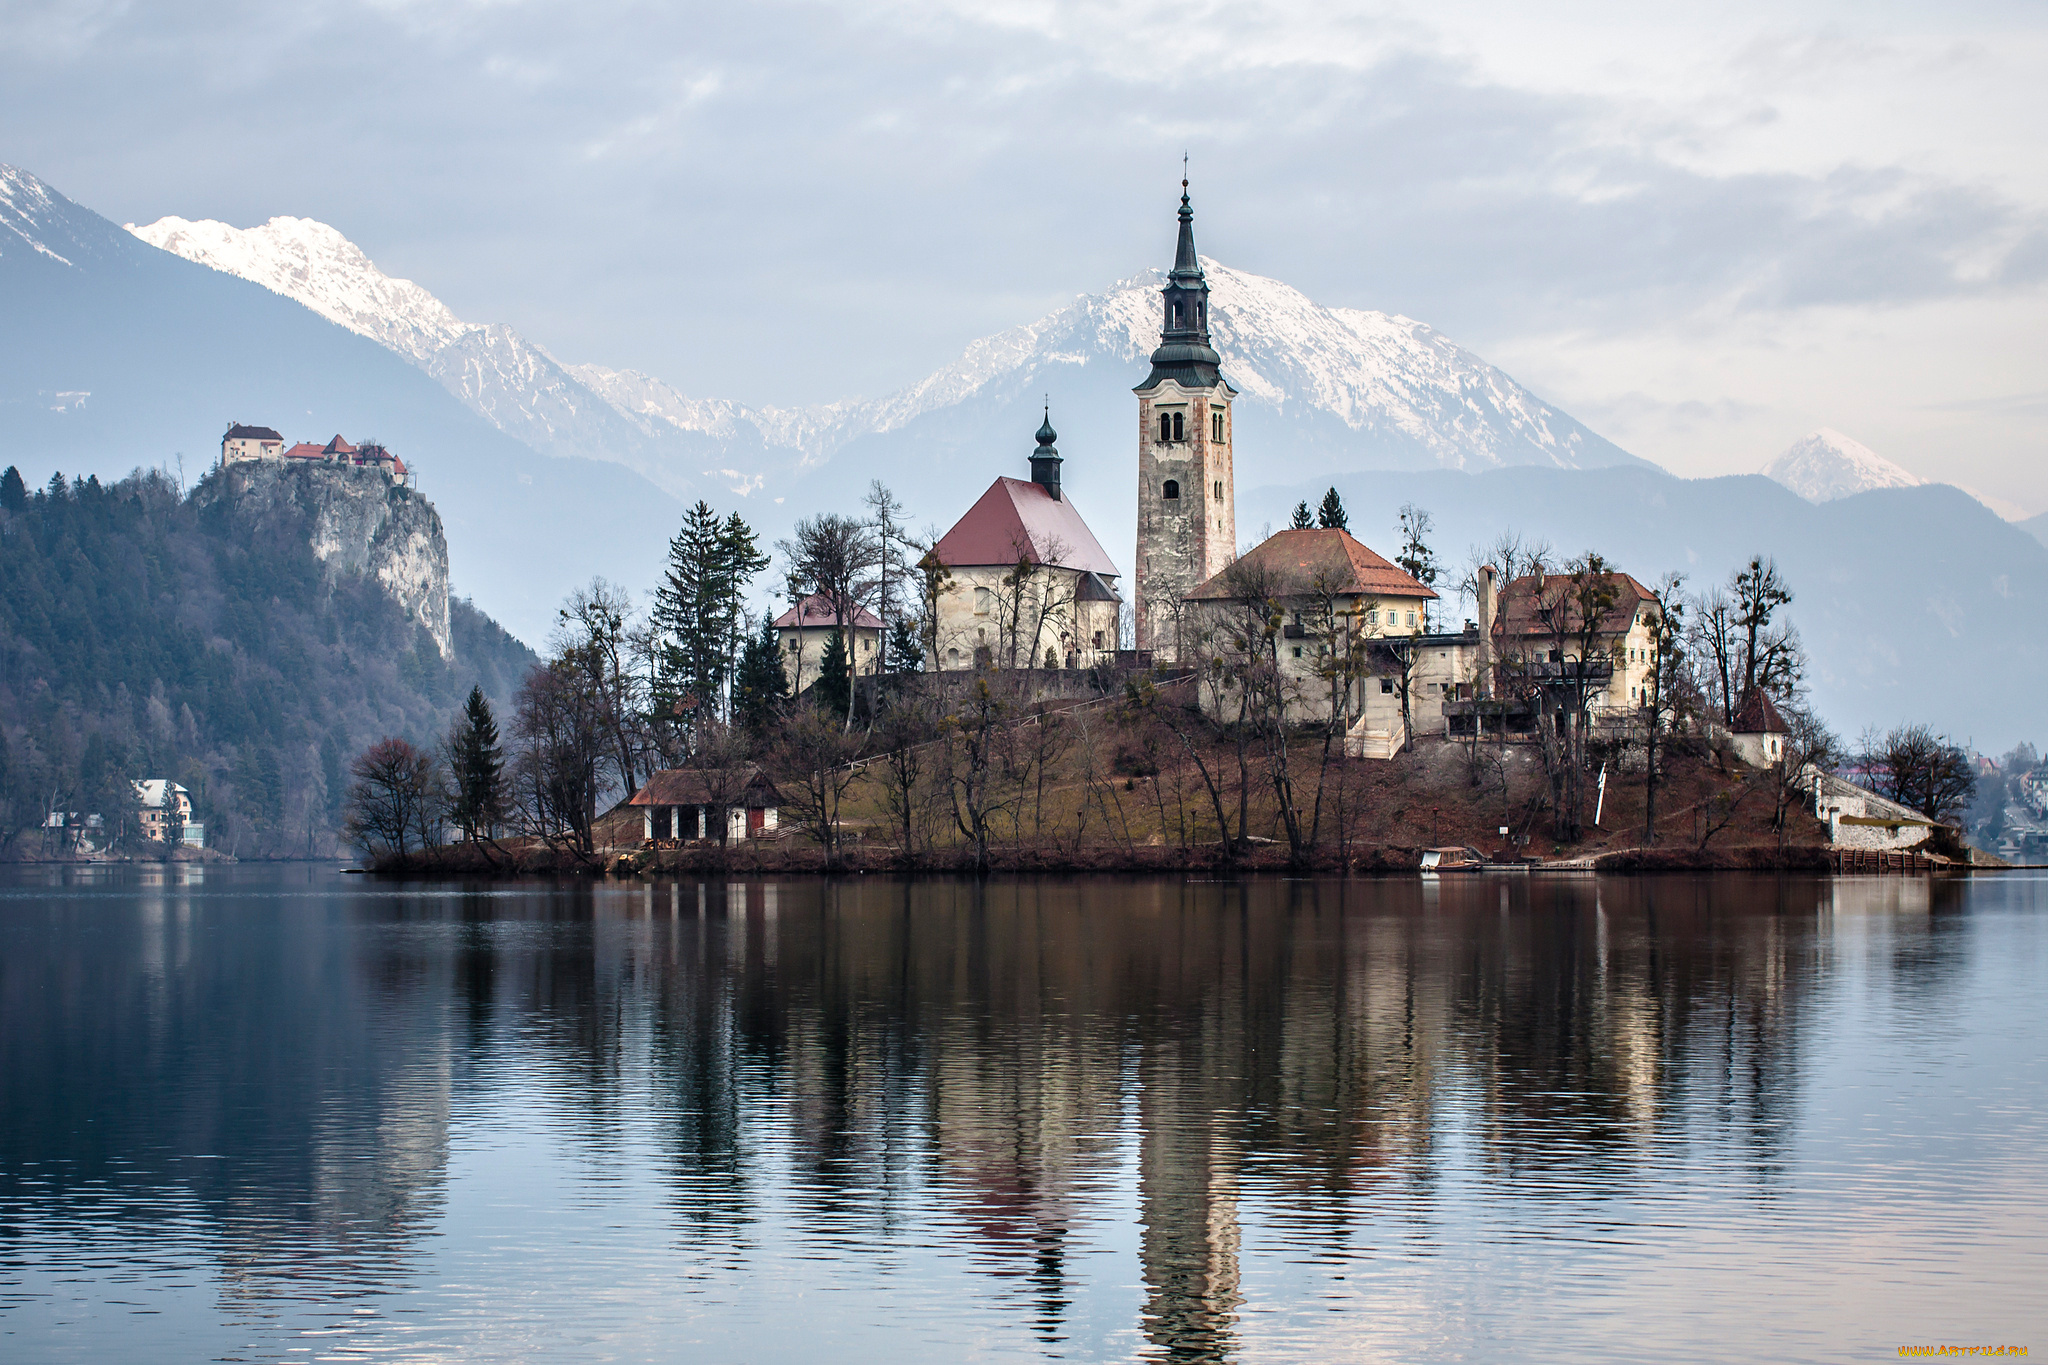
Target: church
{"type": "Point", "coordinates": [1030, 586]}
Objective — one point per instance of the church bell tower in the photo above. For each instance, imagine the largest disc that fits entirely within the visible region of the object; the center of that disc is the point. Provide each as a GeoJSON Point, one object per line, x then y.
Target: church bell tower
{"type": "Point", "coordinates": [1187, 495]}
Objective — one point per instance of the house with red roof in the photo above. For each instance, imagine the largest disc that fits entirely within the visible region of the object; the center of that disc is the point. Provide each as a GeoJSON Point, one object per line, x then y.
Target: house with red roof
{"type": "Point", "coordinates": [1029, 584]}
{"type": "Point", "coordinates": [1537, 626]}
{"type": "Point", "coordinates": [1347, 630]}
{"type": "Point", "coordinates": [805, 631]}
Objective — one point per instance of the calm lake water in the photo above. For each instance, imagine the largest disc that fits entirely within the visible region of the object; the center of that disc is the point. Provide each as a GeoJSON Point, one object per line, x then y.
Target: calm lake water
{"type": "Point", "coordinates": [286, 1115]}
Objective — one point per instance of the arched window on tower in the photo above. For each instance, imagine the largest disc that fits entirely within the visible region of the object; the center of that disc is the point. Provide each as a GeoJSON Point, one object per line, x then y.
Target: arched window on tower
{"type": "Point", "coordinates": [1171, 491]}
{"type": "Point", "coordinates": [1165, 427]}
{"type": "Point", "coordinates": [1178, 433]}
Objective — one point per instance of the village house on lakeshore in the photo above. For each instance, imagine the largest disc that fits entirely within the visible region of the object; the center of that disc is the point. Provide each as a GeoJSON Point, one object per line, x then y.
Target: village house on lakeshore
{"type": "Point", "coordinates": [166, 813]}
{"type": "Point", "coordinates": [680, 805]}
{"type": "Point", "coordinates": [803, 633]}
{"type": "Point", "coordinates": [1030, 585]}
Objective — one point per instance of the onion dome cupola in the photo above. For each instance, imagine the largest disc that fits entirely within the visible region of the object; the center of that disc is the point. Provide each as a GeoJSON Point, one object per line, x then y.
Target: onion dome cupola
{"type": "Point", "coordinates": [1045, 460]}
{"type": "Point", "coordinates": [1184, 353]}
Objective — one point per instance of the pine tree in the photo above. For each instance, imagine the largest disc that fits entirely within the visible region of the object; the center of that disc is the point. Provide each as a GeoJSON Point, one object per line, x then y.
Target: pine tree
{"type": "Point", "coordinates": [13, 492]}
{"type": "Point", "coordinates": [1303, 518]}
{"type": "Point", "coordinates": [1330, 516]}
{"type": "Point", "coordinates": [834, 689]}
{"type": "Point", "coordinates": [698, 607]}
{"type": "Point", "coordinates": [761, 686]}
{"type": "Point", "coordinates": [477, 764]}
{"type": "Point", "coordinates": [906, 644]}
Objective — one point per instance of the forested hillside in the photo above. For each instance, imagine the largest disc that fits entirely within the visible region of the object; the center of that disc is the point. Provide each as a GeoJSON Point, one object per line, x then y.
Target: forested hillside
{"type": "Point", "coordinates": [148, 634]}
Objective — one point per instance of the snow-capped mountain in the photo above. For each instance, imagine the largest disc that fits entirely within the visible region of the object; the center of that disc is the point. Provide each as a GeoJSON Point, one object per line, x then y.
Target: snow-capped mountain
{"type": "Point", "coordinates": [1824, 465]}
{"type": "Point", "coordinates": [311, 262]}
{"type": "Point", "coordinates": [1345, 389]}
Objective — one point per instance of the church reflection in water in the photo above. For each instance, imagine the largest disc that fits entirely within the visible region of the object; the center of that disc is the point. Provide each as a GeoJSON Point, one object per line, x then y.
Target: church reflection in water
{"type": "Point", "coordinates": [1035, 1059]}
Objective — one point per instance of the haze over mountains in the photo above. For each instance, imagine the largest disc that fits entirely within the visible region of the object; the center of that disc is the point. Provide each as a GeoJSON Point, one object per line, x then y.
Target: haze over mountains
{"type": "Point", "coordinates": [549, 471]}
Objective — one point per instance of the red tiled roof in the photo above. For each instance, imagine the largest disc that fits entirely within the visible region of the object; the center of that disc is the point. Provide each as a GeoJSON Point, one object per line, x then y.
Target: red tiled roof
{"type": "Point", "coordinates": [305, 450]}
{"type": "Point", "coordinates": [694, 787]}
{"type": "Point", "coordinates": [1757, 716]}
{"type": "Point", "coordinates": [818, 614]}
{"type": "Point", "coordinates": [1522, 599]}
{"type": "Point", "coordinates": [338, 446]}
{"type": "Point", "coordinates": [1298, 559]}
{"type": "Point", "coordinates": [1019, 518]}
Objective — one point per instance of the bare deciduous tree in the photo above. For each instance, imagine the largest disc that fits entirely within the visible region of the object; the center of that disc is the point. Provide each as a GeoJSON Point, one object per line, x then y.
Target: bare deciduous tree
{"type": "Point", "coordinates": [1916, 767]}
{"type": "Point", "coordinates": [395, 798]}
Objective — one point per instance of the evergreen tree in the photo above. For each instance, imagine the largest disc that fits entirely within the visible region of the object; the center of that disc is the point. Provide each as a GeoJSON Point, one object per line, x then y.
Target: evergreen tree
{"type": "Point", "coordinates": [477, 764]}
{"type": "Point", "coordinates": [1330, 516]}
{"type": "Point", "coordinates": [761, 686]}
{"type": "Point", "coordinates": [698, 607]}
{"type": "Point", "coordinates": [1303, 518]}
{"type": "Point", "coordinates": [13, 492]}
{"type": "Point", "coordinates": [906, 645]}
{"type": "Point", "coordinates": [834, 688]}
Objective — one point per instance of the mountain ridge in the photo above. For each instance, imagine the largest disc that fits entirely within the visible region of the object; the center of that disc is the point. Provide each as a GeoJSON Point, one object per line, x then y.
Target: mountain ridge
{"type": "Point", "coordinates": [1405, 394]}
{"type": "Point", "coordinates": [1824, 465]}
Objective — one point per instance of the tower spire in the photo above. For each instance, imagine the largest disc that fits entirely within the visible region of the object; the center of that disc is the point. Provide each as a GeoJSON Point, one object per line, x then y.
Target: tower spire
{"type": "Point", "coordinates": [1185, 262]}
{"type": "Point", "coordinates": [1184, 352]}
{"type": "Point", "coordinates": [1045, 460]}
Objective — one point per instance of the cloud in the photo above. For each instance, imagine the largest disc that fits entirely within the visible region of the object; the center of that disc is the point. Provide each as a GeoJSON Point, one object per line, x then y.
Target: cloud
{"type": "Point", "coordinates": [794, 202]}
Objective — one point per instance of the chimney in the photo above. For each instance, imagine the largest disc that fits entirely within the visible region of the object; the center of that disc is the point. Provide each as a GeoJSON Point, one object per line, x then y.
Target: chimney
{"type": "Point", "coordinates": [1487, 606]}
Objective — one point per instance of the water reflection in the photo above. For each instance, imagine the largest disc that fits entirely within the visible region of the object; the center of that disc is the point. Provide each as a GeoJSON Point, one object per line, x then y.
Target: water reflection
{"type": "Point", "coordinates": [271, 1071]}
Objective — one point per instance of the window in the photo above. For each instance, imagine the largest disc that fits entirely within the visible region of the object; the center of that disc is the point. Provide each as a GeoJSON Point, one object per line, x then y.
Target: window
{"type": "Point", "coordinates": [1216, 426]}
{"type": "Point", "coordinates": [1098, 639]}
{"type": "Point", "coordinates": [1297, 651]}
{"type": "Point", "coordinates": [952, 658]}
{"type": "Point", "coordinates": [1411, 618]}
{"type": "Point", "coordinates": [1219, 488]}
{"type": "Point", "coordinates": [867, 646]}
{"type": "Point", "coordinates": [1178, 434]}
{"type": "Point", "coordinates": [1165, 427]}
{"type": "Point", "coordinates": [1372, 618]}
{"type": "Point", "coordinates": [1386, 687]}
{"type": "Point", "coordinates": [1172, 490]}
{"type": "Point", "coordinates": [796, 647]}
{"type": "Point", "coordinates": [984, 601]}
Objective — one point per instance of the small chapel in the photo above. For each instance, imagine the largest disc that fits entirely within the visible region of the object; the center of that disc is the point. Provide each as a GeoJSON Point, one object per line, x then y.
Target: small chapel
{"type": "Point", "coordinates": [1029, 585]}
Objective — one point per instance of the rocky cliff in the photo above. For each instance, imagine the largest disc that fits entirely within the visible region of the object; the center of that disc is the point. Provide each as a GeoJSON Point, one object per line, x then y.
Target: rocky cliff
{"type": "Point", "coordinates": [358, 522]}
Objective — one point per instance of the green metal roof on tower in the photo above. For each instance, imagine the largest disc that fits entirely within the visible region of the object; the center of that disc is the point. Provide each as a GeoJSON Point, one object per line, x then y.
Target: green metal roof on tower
{"type": "Point", "coordinates": [1045, 460]}
{"type": "Point", "coordinates": [1185, 355]}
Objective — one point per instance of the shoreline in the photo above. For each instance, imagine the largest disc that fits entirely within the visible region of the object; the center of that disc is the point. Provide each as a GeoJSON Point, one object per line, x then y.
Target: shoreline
{"type": "Point", "coordinates": [752, 859]}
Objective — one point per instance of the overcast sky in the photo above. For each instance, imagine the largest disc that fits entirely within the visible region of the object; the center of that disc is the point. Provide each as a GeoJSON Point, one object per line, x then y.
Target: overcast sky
{"type": "Point", "coordinates": [1703, 230]}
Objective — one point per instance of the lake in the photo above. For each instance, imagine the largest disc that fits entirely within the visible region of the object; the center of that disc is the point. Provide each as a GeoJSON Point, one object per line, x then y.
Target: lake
{"type": "Point", "coordinates": [278, 1113]}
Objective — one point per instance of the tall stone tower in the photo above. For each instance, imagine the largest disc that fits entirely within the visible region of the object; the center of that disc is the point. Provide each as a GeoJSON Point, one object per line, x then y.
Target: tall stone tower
{"type": "Point", "coordinates": [1187, 494]}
